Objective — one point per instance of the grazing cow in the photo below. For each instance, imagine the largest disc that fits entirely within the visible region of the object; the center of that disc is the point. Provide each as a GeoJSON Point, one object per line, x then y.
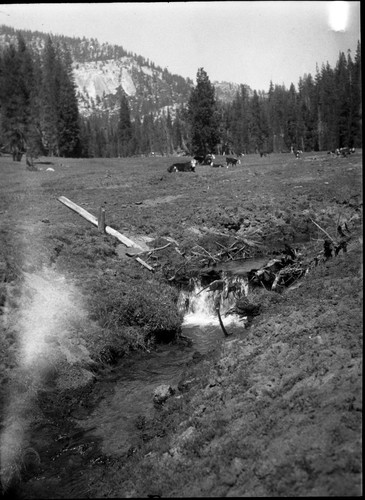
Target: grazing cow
{"type": "Point", "coordinates": [208, 160]}
{"type": "Point", "coordinates": [199, 159]}
{"type": "Point", "coordinates": [232, 161]}
{"type": "Point", "coordinates": [183, 167]}
{"type": "Point", "coordinates": [297, 153]}
{"type": "Point", "coordinates": [263, 153]}
{"type": "Point", "coordinates": [344, 151]}
{"type": "Point", "coordinates": [217, 165]}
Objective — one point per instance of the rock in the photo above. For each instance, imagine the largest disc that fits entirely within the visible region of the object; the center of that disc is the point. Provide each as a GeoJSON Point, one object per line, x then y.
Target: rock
{"type": "Point", "coordinates": [162, 393]}
{"type": "Point", "coordinates": [185, 385]}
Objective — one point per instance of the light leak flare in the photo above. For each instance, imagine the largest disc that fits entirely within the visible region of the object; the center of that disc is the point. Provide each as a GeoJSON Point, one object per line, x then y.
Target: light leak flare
{"type": "Point", "coordinates": [338, 15]}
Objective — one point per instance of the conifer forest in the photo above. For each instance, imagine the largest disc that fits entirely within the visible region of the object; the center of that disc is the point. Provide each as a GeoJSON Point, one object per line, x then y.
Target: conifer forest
{"type": "Point", "coordinates": [39, 112]}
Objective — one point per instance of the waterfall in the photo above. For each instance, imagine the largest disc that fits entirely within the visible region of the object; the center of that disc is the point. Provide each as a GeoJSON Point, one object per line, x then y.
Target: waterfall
{"type": "Point", "coordinates": [199, 305]}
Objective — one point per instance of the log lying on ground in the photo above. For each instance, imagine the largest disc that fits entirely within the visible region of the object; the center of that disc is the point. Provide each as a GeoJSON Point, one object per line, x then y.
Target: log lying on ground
{"type": "Point", "coordinates": [109, 230]}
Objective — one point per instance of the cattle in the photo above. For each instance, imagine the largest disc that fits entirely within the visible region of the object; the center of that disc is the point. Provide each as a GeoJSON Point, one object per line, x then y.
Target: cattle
{"type": "Point", "coordinates": [204, 159]}
{"type": "Point", "coordinates": [217, 165]}
{"type": "Point", "coordinates": [297, 153]}
{"type": "Point", "coordinates": [345, 151]}
{"type": "Point", "coordinates": [199, 159]}
{"type": "Point", "coordinates": [232, 161]}
{"type": "Point", "coordinates": [208, 160]}
{"type": "Point", "coordinates": [188, 166]}
{"type": "Point", "coordinates": [263, 153]}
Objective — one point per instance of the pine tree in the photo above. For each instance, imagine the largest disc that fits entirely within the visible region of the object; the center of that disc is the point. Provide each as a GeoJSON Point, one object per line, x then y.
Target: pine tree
{"type": "Point", "coordinates": [68, 119]}
{"type": "Point", "coordinates": [202, 115]}
{"type": "Point", "coordinates": [50, 99]}
{"type": "Point", "coordinates": [124, 128]}
{"type": "Point", "coordinates": [16, 83]}
{"type": "Point", "coordinates": [239, 121]}
{"type": "Point", "coordinates": [355, 129]}
{"type": "Point", "coordinates": [342, 100]}
{"type": "Point", "coordinates": [258, 125]}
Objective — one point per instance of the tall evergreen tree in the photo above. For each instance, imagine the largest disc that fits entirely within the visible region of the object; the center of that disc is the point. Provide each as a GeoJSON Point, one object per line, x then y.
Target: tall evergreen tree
{"type": "Point", "coordinates": [16, 84]}
{"type": "Point", "coordinates": [240, 120]}
{"type": "Point", "coordinates": [354, 77]}
{"type": "Point", "coordinates": [202, 115]}
{"type": "Point", "coordinates": [68, 119]}
{"type": "Point", "coordinates": [342, 100]}
{"type": "Point", "coordinates": [50, 99]}
{"type": "Point", "coordinates": [124, 128]}
{"type": "Point", "coordinates": [258, 125]}
{"type": "Point", "coordinates": [356, 125]}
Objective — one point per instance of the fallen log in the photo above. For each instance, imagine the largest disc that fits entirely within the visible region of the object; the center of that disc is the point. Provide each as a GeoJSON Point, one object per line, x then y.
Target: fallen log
{"type": "Point", "coordinates": [91, 218]}
{"type": "Point", "coordinates": [109, 230]}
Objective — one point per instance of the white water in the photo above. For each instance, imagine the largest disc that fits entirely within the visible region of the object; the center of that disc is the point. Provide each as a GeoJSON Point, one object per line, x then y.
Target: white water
{"type": "Point", "coordinates": [201, 322]}
{"type": "Point", "coordinates": [201, 309]}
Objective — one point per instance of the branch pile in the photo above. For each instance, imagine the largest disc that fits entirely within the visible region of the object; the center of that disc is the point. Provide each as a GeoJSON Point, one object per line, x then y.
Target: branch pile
{"type": "Point", "coordinates": [283, 272]}
{"type": "Point", "coordinates": [237, 250]}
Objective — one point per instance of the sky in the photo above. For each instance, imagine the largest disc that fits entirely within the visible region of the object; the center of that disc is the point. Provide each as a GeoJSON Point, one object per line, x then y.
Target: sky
{"type": "Point", "coordinates": [248, 42]}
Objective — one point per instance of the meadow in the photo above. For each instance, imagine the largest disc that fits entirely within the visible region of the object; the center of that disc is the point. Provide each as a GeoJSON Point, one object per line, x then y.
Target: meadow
{"type": "Point", "coordinates": [74, 300]}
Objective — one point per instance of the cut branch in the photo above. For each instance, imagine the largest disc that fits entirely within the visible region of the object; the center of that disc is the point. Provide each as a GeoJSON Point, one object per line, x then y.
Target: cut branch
{"type": "Point", "coordinates": [325, 232]}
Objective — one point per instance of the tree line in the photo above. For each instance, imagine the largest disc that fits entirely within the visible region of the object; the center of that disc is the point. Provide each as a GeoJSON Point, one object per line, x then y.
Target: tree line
{"type": "Point", "coordinates": [39, 112]}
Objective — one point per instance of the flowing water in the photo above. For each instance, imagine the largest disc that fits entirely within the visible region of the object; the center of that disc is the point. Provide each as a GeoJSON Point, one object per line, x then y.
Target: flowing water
{"type": "Point", "coordinates": [128, 388]}
{"type": "Point", "coordinates": [135, 381]}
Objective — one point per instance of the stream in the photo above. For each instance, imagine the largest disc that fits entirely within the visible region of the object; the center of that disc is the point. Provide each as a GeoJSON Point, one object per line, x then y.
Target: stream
{"type": "Point", "coordinates": [108, 429]}
{"type": "Point", "coordinates": [135, 381]}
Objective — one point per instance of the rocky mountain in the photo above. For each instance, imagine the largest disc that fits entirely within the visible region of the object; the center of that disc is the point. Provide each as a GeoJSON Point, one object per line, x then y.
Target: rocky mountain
{"type": "Point", "coordinates": [103, 71]}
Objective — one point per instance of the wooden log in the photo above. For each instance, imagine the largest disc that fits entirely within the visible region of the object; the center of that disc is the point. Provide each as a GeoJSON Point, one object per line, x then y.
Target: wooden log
{"type": "Point", "coordinates": [81, 211]}
{"type": "Point", "coordinates": [109, 230]}
{"type": "Point", "coordinates": [91, 218]}
{"type": "Point", "coordinates": [123, 239]}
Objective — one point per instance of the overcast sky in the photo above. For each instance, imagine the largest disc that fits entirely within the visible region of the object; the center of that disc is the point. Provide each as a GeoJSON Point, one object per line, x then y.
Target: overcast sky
{"type": "Point", "coordinates": [242, 42]}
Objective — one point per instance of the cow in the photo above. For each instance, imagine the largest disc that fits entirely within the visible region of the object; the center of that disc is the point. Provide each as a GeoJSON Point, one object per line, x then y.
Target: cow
{"type": "Point", "coordinates": [208, 160]}
{"type": "Point", "coordinates": [217, 165]}
{"type": "Point", "coordinates": [297, 153]}
{"type": "Point", "coordinates": [232, 161]}
{"type": "Point", "coordinates": [345, 151]}
{"type": "Point", "coordinates": [263, 153]}
{"type": "Point", "coordinates": [183, 167]}
{"type": "Point", "coordinates": [199, 159]}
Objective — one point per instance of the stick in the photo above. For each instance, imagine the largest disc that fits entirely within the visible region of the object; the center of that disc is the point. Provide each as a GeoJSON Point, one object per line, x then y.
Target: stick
{"type": "Point", "coordinates": [226, 334]}
{"type": "Point", "coordinates": [325, 232]}
{"type": "Point", "coordinates": [144, 264]}
{"type": "Point", "coordinates": [149, 251]}
{"type": "Point", "coordinates": [179, 268]}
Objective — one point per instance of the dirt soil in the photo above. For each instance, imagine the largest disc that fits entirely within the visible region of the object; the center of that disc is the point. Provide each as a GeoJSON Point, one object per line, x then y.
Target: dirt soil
{"type": "Point", "coordinates": [276, 411]}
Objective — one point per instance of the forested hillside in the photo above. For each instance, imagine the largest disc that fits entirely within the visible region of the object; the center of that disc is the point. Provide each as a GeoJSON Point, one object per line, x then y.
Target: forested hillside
{"type": "Point", "coordinates": [76, 97]}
